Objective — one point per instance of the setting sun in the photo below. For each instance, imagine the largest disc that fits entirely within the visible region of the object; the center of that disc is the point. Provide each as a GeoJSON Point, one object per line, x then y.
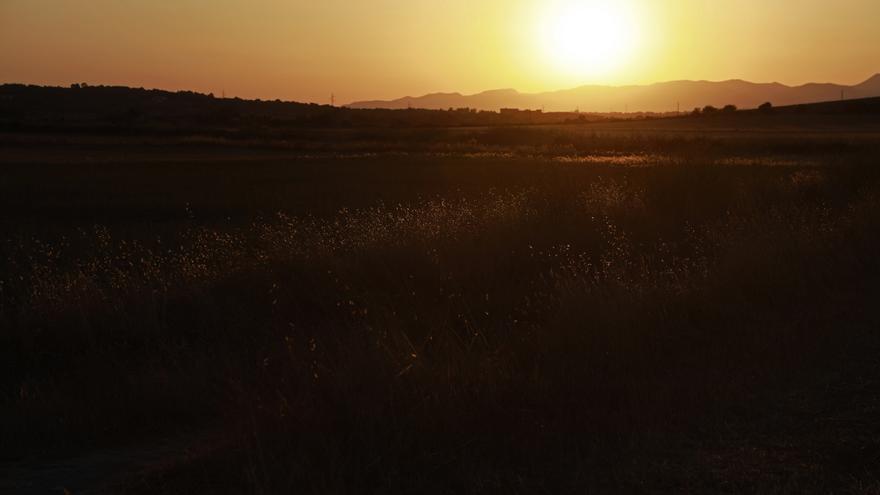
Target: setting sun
{"type": "Point", "coordinates": [439, 246]}
{"type": "Point", "coordinates": [588, 38]}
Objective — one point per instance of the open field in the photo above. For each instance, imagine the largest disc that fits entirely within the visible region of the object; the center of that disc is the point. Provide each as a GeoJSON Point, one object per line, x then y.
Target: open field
{"type": "Point", "coordinates": [682, 306]}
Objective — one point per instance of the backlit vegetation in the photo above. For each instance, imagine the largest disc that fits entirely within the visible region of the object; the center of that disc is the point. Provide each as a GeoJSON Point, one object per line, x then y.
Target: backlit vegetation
{"type": "Point", "coordinates": [561, 323]}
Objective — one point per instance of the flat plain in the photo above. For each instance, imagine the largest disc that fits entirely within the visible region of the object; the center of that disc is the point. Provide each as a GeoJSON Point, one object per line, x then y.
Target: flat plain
{"type": "Point", "coordinates": [683, 305]}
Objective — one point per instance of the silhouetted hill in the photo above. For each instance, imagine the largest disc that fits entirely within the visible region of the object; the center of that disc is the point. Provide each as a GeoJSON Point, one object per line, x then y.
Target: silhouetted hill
{"type": "Point", "coordinates": [130, 111]}
{"type": "Point", "coordinates": [872, 85]}
{"type": "Point", "coordinates": [122, 109]}
{"type": "Point", "coordinates": [660, 97]}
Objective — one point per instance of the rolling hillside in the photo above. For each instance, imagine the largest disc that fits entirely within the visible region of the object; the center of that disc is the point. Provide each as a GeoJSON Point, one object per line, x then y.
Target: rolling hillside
{"type": "Point", "coordinates": [660, 97]}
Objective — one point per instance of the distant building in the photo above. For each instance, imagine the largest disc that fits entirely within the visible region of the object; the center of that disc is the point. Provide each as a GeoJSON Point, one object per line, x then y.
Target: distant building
{"type": "Point", "coordinates": [518, 112]}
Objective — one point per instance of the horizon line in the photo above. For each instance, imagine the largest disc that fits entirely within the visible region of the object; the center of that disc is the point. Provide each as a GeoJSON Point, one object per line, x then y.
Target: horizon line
{"type": "Point", "coordinates": [435, 93]}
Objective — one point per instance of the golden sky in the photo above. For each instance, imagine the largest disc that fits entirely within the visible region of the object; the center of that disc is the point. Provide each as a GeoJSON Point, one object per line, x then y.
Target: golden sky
{"type": "Point", "coordinates": [365, 49]}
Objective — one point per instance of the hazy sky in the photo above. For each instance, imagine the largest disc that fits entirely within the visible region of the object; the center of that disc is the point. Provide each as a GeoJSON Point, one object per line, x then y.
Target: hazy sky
{"type": "Point", "coordinates": [364, 49]}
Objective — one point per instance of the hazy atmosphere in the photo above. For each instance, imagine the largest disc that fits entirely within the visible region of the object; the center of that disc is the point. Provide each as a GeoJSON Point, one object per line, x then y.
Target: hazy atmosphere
{"type": "Point", "coordinates": [514, 247]}
{"type": "Point", "coordinates": [304, 51]}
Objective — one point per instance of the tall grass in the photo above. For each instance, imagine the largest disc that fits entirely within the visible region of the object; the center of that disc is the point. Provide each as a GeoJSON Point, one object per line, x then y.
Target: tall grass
{"type": "Point", "coordinates": [536, 338]}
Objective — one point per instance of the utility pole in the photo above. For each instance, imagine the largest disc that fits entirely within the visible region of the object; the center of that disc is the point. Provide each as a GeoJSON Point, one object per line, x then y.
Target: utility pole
{"type": "Point", "coordinates": [332, 99]}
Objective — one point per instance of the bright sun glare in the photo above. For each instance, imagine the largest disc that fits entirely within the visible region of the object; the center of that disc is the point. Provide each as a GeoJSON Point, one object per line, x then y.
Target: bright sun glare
{"type": "Point", "coordinates": [588, 38]}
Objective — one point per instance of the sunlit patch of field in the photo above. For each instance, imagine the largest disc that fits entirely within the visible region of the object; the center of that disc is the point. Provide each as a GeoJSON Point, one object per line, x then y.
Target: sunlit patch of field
{"type": "Point", "coordinates": [492, 319]}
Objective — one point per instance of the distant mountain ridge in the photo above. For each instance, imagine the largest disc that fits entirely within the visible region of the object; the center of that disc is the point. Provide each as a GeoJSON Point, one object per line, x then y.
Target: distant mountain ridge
{"type": "Point", "coordinates": [659, 97]}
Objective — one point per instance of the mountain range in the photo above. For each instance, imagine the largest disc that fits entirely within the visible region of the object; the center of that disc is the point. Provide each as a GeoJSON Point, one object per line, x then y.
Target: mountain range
{"type": "Point", "coordinates": [659, 97]}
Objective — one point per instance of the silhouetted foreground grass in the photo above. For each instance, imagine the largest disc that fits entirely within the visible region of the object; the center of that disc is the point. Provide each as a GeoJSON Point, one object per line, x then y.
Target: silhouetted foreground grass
{"type": "Point", "coordinates": [563, 328]}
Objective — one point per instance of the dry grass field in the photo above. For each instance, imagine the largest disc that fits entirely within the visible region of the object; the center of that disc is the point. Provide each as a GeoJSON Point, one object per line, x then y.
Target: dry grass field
{"type": "Point", "coordinates": [658, 307]}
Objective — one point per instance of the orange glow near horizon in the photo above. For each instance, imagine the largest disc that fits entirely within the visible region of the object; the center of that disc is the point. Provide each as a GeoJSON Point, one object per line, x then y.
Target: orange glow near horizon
{"type": "Point", "coordinates": [305, 50]}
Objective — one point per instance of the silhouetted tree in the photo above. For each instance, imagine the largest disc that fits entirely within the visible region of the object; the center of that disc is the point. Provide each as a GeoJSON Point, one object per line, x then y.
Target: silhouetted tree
{"type": "Point", "coordinates": [766, 107]}
{"type": "Point", "coordinates": [696, 112]}
{"type": "Point", "coordinates": [709, 109]}
{"type": "Point", "coordinates": [729, 108]}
